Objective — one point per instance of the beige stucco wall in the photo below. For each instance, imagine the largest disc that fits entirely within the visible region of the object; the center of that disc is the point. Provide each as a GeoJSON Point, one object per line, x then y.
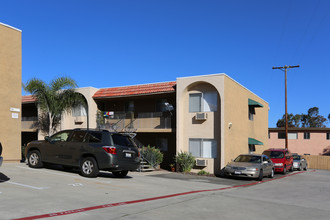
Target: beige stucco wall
{"type": "Point", "coordinates": [71, 122]}
{"type": "Point", "coordinates": [236, 113]}
{"type": "Point", "coordinates": [10, 92]}
{"type": "Point", "coordinates": [232, 108]}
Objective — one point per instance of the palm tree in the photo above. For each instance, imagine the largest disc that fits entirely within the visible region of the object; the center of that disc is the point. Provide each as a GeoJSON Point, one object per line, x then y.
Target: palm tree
{"type": "Point", "coordinates": [53, 100]}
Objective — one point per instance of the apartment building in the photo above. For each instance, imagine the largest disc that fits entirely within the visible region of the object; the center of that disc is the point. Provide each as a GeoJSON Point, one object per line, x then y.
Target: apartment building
{"type": "Point", "coordinates": [310, 141]}
{"type": "Point", "coordinates": [211, 116]}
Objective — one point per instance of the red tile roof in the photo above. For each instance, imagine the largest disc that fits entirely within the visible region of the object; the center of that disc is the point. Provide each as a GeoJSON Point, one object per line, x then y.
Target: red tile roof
{"type": "Point", "coordinates": [28, 99]}
{"type": "Point", "coordinates": [146, 89]}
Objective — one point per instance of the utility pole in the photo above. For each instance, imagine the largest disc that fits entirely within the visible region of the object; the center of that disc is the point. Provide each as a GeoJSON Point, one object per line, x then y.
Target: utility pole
{"type": "Point", "coordinates": [286, 101]}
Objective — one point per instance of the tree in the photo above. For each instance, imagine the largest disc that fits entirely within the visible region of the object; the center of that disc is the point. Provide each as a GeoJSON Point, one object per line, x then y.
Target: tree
{"type": "Point", "coordinates": [293, 121]}
{"type": "Point", "coordinates": [313, 119]}
{"type": "Point", "coordinates": [310, 120]}
{"type": "Point", "coordinates": [53, 100]}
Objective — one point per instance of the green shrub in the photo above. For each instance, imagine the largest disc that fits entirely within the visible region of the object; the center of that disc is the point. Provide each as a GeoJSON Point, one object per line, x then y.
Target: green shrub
{"type": "Point", "coordinates": [152, 155]}
{"type": "Point", "coordinates": [186, 161]}
{"type": "Point", "coordinates": [203, 172]}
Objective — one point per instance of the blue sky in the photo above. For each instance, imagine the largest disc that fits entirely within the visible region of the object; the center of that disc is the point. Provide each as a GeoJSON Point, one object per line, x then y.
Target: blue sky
{"type": "Point", "coordinates": [107, 43]}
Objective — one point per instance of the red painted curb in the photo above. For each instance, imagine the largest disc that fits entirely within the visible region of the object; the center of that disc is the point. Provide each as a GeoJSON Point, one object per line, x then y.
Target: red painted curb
{"type": "Point", "coordinates": [69, 212]}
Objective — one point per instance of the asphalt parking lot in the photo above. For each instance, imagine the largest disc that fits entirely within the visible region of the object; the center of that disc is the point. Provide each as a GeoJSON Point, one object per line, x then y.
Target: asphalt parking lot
{"type": "Point", "coordinates": [52, 193]}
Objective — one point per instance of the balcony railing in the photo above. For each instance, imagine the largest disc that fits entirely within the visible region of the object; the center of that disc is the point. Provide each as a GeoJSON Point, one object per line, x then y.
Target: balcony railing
{"type": "Point", "coordinates": [28, 123]}
{"type": "Point", "coordinates": [144, 122]}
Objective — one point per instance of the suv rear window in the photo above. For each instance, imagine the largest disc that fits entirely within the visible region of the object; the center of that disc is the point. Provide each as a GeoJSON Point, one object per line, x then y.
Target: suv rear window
{"type": "Point", "coordinates": [274, 154]}
{"type": "Point", "coordinates": [121, 140]}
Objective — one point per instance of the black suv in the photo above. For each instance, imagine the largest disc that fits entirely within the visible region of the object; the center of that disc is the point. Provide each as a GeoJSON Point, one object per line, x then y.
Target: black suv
{"type": "Point", "coordinates": [90, 150]}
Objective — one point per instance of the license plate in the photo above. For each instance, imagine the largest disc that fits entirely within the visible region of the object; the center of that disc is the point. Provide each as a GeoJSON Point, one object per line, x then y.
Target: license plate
{"type": "Point", "coordinates": [238, 172]}
{"type": "Point", "coordinates": [128, 155]}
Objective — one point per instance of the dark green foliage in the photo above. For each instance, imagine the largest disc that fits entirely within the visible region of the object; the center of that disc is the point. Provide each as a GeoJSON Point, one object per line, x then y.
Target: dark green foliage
{"type": "Point", "coordinates": [152, 155]}
{"type": "Point", "coordinates": [185, 160]}
{"type": "Point", "coordinates": [310, 120]}
{"type": "Point", "coordinates": [53, 100]}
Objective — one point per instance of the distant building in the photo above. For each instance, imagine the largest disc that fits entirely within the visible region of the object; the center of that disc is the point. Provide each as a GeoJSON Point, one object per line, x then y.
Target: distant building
{"type": "Point", "coordinates": [313, 141]}
{"type": "Point", "coordinates": [212, 116]}
{"type": "Point", "coordinates": [10, 92]}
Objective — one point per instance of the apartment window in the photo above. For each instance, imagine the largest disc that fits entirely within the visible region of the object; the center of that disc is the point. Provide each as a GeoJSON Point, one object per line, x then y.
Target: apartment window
{"type": "Point", "coordinates": [292, 135]}
{"type": "Point", "coordinates": [252, 105]}
{"type": "Point", "coordinates": [307, 135]}
{"type": "Point", "coordinates": [281, 135]}
{"type": "Point", "coordinates": [328, 136]}
{"type": "Point", "coordinates": [203, 102]}
{"type": "Point", "coordinates": [252, 148]}
{"type": "Point", "coordinates": [251, 113]}
{"type": "Point", "coordinates": [203, 148]}
{"type": "Point", "coordinates": [79, 110]}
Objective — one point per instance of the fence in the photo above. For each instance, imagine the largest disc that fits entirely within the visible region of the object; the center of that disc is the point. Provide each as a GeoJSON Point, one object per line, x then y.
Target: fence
{"type": "Point", "coordinates": [318, 162]}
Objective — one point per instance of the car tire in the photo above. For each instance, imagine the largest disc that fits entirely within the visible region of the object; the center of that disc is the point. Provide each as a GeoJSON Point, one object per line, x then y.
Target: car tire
{"type": "Point", "coordinates": [271, 175]}
{"type": "Point", "coordinates": [88, 167]}
{"type": "Point", "coordinates": [261, 175]}
{"type": "Point", "coordinates": [284, 170]}
{"type": "Point", "coordinates": [34, 159]}
{"type": "Point", "coordinates": [291, 168]}
{"type": "Point", "coordinates": [120, 174]}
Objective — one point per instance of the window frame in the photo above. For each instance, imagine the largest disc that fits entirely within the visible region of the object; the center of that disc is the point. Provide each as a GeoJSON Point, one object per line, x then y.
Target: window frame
{"type": "Point", "coordinates": [205, 102]}
{"type": "Point", "coordinates": [202, 144]}
{"type": "Point", "coordinates": [307, 135]}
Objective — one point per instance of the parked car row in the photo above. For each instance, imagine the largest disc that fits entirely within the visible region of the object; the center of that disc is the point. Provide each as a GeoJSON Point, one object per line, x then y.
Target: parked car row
{"type": "Point", "coordinates": [88, 150]}
{"type": "Point", "coordinates": [266, 164]}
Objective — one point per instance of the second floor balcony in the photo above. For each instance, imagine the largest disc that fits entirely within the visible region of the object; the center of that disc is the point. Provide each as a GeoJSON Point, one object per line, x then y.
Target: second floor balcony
{"type": "Point", "coordinates": [28, 124]}
{"type": "Point", "coordinates": [138, 122]}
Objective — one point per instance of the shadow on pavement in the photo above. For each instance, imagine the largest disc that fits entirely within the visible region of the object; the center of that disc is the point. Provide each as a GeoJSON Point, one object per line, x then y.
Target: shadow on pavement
{"type": "Point", "coordinates": [3, 178]}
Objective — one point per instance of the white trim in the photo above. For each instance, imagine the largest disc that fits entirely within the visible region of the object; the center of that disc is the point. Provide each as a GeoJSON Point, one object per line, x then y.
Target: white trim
{"type": "Point", "coordinates": [6, 25]}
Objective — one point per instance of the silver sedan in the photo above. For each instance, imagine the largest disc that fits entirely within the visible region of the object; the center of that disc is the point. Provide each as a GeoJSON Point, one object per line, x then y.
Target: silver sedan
{"type": "Point", "coordinates": [250, 165]}
{"type": "Point", "coordinates": [299, 162]}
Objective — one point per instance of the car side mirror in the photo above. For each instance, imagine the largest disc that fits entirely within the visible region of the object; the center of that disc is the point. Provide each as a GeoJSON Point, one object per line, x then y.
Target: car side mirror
{"type": "Point", "coordinates": [47, 138]}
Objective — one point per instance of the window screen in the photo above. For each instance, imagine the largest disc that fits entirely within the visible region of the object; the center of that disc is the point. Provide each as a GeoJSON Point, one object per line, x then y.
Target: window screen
{"type": "Point", "coordinates": [204, 148]}
{"type": "Point", "coordinates": [195, 102]}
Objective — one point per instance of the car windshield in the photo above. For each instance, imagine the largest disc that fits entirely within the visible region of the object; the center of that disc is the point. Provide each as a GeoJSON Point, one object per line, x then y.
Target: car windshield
{"type": "Point", "coordinates": [274, 154]}
{"type": "Point", "coordinates": [248, 158]}
{"type": "Point", "coordinates": [296, 157]}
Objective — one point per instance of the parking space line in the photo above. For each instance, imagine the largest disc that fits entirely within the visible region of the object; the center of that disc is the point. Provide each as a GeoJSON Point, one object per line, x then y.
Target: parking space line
{"type": "Point", "coordinates": [62, 174]}
{"type": "Point", "coordinates": [24, 185]}
{"type": "Point", "coordinates": [74, 211]}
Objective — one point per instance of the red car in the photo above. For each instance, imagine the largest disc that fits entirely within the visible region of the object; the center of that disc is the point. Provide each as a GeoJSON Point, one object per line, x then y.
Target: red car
{"type": "Point", "coordinates": [282, 159]}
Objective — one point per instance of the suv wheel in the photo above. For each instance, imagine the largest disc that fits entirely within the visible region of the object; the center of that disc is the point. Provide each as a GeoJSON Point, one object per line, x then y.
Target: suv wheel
{"type": "Point", "coordinates": [34, 159]}
{"type": "Point", "coordinates": [88, 167]}
{"type": "Point", "coordinates": [122, 173]}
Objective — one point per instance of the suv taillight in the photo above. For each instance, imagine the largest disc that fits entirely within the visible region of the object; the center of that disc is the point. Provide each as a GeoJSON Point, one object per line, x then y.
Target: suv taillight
{"type": "Point", "coordinates": [110, 150]}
